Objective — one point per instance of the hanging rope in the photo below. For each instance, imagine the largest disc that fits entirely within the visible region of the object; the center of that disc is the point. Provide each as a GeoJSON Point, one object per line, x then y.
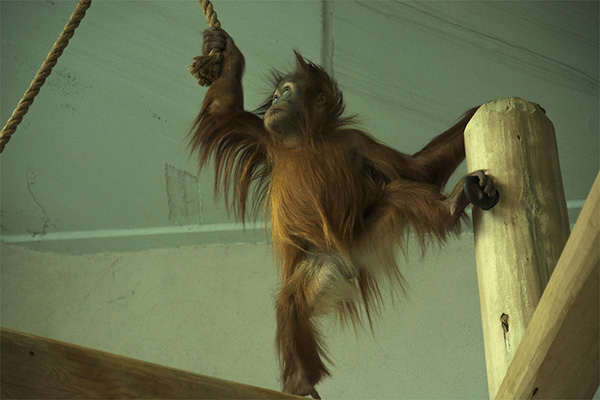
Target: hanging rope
{"type": "Point", "coordinates": [206, 68]}
{"type": "Point", "coordinates": [43, 73]}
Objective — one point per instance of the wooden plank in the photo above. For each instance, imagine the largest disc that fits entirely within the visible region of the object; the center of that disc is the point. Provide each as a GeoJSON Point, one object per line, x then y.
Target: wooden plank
{"type": "Point", "coordinates": [34, 367]}
{"type": "Point", "coordinates": [518, 242]}
{"type": "Point", "coordinates": [559, 354]}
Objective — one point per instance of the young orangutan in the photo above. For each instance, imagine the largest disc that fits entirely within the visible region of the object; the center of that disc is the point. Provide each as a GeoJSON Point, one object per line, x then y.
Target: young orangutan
{"type": "Point", "coordinates": [340, 202]}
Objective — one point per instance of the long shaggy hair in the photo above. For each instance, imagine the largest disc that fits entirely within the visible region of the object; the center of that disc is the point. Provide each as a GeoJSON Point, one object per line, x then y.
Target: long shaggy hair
{"type": "Point", "coordinates": [340, 205]}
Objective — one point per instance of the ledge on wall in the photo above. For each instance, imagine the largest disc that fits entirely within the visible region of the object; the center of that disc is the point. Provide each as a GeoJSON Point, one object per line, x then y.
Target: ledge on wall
{"type": "Point", "coordinates": [123, 240]}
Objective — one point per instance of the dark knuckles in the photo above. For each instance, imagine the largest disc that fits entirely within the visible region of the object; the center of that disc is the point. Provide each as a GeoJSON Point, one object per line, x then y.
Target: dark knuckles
{"type": "Point", "coordinates": [214, 38]}
{"type": "Point", "coordinates": [476, 194]}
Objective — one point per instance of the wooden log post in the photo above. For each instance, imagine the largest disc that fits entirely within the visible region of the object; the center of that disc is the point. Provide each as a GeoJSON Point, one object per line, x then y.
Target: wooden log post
{"type": "Point", "coordinates": [559, 356]}
{"type": "Point", "coordinates": [517, 243]}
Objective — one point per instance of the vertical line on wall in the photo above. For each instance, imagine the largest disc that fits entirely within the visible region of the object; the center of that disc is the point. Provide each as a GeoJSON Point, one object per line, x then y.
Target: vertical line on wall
{"type": "Point", "coordinates": [327, 45]}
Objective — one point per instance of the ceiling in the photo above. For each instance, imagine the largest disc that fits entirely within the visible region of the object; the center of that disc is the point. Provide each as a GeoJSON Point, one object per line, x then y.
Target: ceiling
{"type": "Point", "coordinates": [100, 163]}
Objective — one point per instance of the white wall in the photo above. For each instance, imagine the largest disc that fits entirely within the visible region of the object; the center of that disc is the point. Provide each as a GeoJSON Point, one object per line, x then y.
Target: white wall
{"type": "Point", "coordinates": [210, 310]}
{"type": "Point", "coordinates": [102, 152]}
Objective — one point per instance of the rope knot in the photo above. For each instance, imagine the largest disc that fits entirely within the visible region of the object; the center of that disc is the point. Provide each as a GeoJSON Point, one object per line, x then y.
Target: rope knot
{"type": "Point", "coordinates": [206, 69]}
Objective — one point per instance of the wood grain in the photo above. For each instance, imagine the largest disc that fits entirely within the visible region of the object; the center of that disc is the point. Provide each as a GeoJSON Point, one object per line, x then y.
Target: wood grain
{"type": "Point", "coordinates": [517, 243]}
{"type": "Point", "coordinates": [559, 355]}
{"type": "Point", "coordinates": [34, 367]}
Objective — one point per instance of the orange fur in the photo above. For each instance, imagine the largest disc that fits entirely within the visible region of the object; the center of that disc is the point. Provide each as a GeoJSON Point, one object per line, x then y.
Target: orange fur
{"type": "Point", "coordinates": [340, 205]}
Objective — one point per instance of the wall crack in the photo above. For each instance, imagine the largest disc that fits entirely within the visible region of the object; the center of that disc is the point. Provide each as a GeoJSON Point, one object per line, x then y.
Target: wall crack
{"type": "Point", "coordinates": [31, 177]}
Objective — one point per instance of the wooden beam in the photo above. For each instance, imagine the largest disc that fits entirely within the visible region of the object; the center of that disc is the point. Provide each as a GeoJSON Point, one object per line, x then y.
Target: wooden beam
{"type": "Point", "coordinates": [559, 354]}
{"type": "Point", "coordinates": [518, 242]}
{"type": "Point", "coordinates": [39, 368]}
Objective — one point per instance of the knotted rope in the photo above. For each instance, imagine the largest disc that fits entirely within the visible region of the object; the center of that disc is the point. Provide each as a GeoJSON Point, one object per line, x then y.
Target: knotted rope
{"type": "Point", "coordinates": [206, 68]}
{"type": "Point", "coordinates": [43, 73]}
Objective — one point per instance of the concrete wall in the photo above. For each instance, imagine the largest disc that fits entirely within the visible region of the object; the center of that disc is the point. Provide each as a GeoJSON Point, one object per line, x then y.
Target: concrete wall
{"type": "Point", "coordinates": [209, 309]}
{"type": "Point", "coordinates": [102, 152]}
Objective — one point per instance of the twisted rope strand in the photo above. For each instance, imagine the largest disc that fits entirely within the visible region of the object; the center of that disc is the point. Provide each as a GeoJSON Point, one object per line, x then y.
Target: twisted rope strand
{"type": "Point", "coordinates": [209, 13]}
{"type": "Point", "coordinates": [43, 73]}
{"type": "Point", "coordinates": [207, 68]}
